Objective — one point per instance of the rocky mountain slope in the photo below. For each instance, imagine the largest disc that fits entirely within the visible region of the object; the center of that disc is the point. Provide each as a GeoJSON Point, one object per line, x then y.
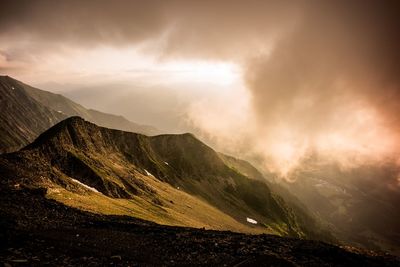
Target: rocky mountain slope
{"type": "Point", "coordinates": [168, 179]}
{"type": "Point", "coordinates": [26, 112]}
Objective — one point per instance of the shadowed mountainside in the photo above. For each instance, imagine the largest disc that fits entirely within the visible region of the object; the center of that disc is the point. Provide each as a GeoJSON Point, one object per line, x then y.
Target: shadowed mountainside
{"type": "Point", "coordinates": [68, 107]}
{"type": "Point", "coordinates": [26, 112]}
{"type": "Point", "coordinates": [22, 118]}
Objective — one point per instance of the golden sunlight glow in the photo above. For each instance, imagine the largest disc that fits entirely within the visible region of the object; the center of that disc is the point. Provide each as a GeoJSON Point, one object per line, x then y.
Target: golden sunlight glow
{"type": "Point", "coordinates": [210, 72]}
{"type": "Point", "coordinates": [129, 64]}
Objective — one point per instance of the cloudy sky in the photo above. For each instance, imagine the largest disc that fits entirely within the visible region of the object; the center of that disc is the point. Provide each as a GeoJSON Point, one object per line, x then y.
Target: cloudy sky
{"type": "Point", "coordinates": [279, 79]}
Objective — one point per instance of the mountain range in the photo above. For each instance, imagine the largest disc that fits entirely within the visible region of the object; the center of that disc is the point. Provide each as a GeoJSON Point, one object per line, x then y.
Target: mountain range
{"type": "Point", "coordinates": [120, 165]}
{"type": "Point", "coordinates": [65, 164]}
{"type": "Point", "coordinates": [167, 179]}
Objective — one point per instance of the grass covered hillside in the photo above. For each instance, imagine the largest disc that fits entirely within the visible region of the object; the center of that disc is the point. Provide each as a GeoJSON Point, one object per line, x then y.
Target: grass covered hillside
{"type": "Point", "coordinates": [168, 179]}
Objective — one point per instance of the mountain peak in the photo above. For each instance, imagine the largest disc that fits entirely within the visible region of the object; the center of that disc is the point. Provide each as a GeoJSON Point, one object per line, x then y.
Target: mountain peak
{"type": "Point", "coordinates": [6, 77]}
{"type": "Point", "coordinates": [73, 131]}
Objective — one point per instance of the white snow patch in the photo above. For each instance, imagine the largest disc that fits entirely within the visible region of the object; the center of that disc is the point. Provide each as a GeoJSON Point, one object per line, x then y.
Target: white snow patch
{"type": "Point", "coordinates": [166, 163]}
{"type": "Point", "coordinates": [148, 173]}
{"type": "Point", "coordinates": [86, 186]}
{"type": "Point", "coordinates": [250, 220]}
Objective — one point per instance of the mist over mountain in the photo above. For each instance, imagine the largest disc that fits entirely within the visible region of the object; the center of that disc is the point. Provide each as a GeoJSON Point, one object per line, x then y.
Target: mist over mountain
{"type": "Point", "coordinates": [359, 203]}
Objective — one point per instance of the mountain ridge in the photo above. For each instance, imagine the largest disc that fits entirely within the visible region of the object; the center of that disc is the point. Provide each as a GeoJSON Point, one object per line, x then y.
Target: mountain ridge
{"type": "Point", "coordinates": [65, 105]}
{"type": "Point", "coordinates": [123, 165]}
{"type": "Point", "coordinates": [22, 117]}
{"type": "Point", "coordinates": [25, 112]}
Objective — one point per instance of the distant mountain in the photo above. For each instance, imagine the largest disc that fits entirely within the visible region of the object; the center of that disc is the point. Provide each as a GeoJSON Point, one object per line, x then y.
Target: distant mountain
{"type": "Point", "coordinates": [25, 112]}
{"type": "Point", "coordinates": [168, 179]}
{"type": "Point", "coordinates": [22, 118]}
{"type": "Point", "coordinates": [361, 204]}
{"type": "Point", "coordinates": [66, 106]}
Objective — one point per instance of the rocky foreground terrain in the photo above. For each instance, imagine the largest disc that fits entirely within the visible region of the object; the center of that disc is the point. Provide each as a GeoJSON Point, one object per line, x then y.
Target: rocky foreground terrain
{"type": "Point", "coordinates": [36, 231]}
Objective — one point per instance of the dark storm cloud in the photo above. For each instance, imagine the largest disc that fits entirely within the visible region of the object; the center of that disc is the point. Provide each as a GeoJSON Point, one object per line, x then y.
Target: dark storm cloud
{"type": "Point", "coordinates": [83, 22]}
{"type": "Point", "coordinates": [195, 27]}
